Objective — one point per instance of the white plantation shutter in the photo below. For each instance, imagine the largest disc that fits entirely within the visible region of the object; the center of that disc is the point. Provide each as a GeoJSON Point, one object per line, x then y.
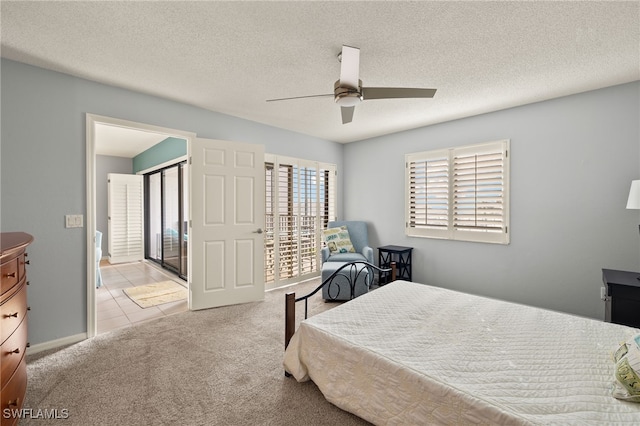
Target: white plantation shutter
{"type": "Point", "coordinates": [480, 192]}
{"type": "Point", "coordinates": [269, 223]}
{"type": "Point", "coordinates": [300, 201]}
{"type": "Point", "coordinates": [286, 221]}
{"type": "Point", "coordinates": [307, 214]}
{"type": "Point", "coordinates": [327, 195]}
{"type": "Point", "coordinates": [459, 193]}
{"type": "Point", "coordinates": [125, 217]}
{"type": "Point", "coordinates": [428, 180]}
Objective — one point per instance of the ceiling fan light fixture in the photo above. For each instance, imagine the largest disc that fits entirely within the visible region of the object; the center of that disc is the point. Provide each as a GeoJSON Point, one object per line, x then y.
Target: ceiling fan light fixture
{"type": "Point", "coordinates": [348, 99]}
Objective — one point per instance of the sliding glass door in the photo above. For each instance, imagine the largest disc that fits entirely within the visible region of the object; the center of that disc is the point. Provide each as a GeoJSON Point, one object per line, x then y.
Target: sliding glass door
{"type": "Point", "coordinates": [166, 196]}
{"type": "Point", "coordinates": [171, 241]}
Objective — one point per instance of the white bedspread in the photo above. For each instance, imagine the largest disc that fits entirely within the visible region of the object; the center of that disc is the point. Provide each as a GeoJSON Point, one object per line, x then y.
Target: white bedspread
{"type": "Point", "coordinates": [412, 354]}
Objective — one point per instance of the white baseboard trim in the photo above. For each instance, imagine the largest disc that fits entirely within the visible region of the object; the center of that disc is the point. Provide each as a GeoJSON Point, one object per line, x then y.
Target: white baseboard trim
{"type": "Point", "coordinates": [52, 344]}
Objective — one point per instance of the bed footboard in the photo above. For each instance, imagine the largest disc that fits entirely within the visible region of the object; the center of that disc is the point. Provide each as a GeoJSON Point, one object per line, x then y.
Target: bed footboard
{"type": "Point", "coordinates": [290, 298]}
{"type": "Point", "coordinates": [289, 317]}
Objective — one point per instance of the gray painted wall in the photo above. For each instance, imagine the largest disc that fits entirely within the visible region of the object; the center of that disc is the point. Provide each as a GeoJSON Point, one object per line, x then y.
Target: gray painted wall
{"type": "Point", "coordinates": [106, 164]}
{"type": "Point", "coordinates": [43, 174]}
{"type": "Point", "coordinates": [571, 166]}
{"type": "Point", "coordinates": [572, 162]}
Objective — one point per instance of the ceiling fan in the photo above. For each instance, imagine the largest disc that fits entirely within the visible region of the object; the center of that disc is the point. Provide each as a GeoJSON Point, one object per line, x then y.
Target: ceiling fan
{"type": "Point", "coordinates": [348, 91]}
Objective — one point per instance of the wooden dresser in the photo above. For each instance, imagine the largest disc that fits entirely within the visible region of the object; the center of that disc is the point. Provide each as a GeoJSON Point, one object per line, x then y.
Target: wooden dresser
{"type": "Point", "coordinates": [13, 323]}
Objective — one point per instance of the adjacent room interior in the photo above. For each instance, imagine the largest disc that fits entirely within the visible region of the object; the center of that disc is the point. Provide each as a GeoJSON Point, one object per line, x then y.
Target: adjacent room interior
{"type": "Point", "coordinates": [137, 252]}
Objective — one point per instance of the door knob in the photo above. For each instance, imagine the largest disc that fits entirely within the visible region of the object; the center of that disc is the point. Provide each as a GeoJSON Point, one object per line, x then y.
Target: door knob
{"type": "Point", "coordinates": [259, 231]}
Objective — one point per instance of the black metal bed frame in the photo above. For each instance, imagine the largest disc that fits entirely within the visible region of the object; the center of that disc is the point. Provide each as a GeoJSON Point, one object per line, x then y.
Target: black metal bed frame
{"type": "Point", "coordinates": [354, 271]}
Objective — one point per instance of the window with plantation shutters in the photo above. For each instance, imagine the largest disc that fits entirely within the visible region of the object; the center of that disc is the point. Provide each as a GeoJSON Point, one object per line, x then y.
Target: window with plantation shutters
{"type": "Point", "coordinates": [300, 201]}
{"type": "Point", "coordinates": [459, 193]}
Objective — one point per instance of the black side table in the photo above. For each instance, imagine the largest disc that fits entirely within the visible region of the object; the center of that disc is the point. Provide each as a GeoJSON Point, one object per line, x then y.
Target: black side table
{"type": "Point", "coordinates": [622, 298]}
{"type": "Point", "coordinates": [399, 254]}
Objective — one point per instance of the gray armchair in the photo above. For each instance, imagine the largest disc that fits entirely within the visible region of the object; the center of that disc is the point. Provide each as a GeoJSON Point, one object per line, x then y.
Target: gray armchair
{"type": "Point", "coordinates": [360, 240]}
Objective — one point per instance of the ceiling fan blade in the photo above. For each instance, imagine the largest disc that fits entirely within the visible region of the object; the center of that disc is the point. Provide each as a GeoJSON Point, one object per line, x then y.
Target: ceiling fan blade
{"type": "Point", "coordinates": [299, 97]}
{"type": "Point", "coordinates": [347, 114]}
{"type": "Point", "coordinates": [350, 67]}
{"type": "Point", "coordinates": [396, 92]}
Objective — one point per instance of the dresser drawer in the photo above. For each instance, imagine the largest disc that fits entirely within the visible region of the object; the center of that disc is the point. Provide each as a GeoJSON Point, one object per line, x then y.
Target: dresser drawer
{"type": "Point", "coordinates": [9, 274]}
{"type": "Point", "coordinates": [13, 394]}
{"type": "Point", "coordinates": [22, 262]}
{"type": "Point", "coordinates": [12, 351]}
{"type": "Point", "coordinates": [12, 312]}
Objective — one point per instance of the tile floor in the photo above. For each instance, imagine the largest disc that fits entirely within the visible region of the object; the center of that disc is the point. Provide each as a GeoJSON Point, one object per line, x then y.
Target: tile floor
{"type": "Point", "coordinates": [116, 310]}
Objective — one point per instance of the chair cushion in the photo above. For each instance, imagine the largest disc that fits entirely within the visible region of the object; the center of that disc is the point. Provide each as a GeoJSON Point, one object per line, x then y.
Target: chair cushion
{"type": "Point", "coordinates": [346, 257]}
{"type": "Point", "coordinates": [338, 241]}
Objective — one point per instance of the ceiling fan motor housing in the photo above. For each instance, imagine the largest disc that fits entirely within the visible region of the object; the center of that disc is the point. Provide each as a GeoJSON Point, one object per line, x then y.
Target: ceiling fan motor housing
{"type": "Point", "coordinates": [347, 96]}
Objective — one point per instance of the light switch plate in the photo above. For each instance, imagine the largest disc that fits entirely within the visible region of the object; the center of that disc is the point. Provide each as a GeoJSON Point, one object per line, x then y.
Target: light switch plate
{"type": "Point", "coordinates": [74, 221]}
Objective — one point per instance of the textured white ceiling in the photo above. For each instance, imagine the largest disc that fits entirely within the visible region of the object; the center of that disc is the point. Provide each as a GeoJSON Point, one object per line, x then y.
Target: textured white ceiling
{"type": "Point", "coordinates": [124, 142]}
{"type": "Point", "coordinates": [232, 56]}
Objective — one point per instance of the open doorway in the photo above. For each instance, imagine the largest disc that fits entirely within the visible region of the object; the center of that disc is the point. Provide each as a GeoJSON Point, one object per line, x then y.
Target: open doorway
{"type": "Point", "coordinates": [225, 223]}
{"type": "Point", "coordinates": [118, 141]}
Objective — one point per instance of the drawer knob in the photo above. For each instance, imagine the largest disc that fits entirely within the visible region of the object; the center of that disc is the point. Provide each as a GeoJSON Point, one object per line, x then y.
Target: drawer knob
{"type": "Point", "coordinates": [15, 351]}
{"type": "Point", "coordinates": [11, 275]}
{"type": "Point", "coordinates": [13, 403]}
{"type": "Point", "coordinates": [27, 262]}
{"type": "Point", "coordinates": [14, 315]}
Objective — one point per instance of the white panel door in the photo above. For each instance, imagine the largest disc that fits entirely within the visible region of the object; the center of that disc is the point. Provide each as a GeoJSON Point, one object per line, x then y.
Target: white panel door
{"type": "Point", "coordinates": [226, 243]}
{"type": "Point", "coordinates": [125, 218]}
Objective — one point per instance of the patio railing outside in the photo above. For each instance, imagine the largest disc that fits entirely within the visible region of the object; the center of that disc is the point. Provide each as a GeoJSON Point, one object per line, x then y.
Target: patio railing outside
{"type": "Point", "coordinates": [297, 247]}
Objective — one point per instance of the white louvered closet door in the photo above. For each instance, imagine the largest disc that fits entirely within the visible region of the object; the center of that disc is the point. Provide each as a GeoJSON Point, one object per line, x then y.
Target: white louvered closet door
{"type": "Point", "coordinates": [126, 212]}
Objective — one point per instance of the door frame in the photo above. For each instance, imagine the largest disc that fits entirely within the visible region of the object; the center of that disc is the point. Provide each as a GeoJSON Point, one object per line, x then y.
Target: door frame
{"type": "Point", "coordinates": [90, 122]}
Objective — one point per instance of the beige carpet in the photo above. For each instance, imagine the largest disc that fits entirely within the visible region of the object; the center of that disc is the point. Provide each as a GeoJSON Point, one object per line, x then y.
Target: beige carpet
{"type": "Point", "coordinates": [219, 366]}
{"type": "Point", "coordinates": [154, 294]}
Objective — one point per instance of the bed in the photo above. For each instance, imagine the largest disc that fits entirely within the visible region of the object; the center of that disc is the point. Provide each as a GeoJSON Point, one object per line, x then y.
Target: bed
{"type": "Point", "coordinates": [410, 353]}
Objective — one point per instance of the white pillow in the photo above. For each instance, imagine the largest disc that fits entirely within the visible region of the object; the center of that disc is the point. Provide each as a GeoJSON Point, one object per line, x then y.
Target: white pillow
{"type": "Point", "coordinates": [627, 370]}
{"type": "Point", "coordinates": [338, 241]}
